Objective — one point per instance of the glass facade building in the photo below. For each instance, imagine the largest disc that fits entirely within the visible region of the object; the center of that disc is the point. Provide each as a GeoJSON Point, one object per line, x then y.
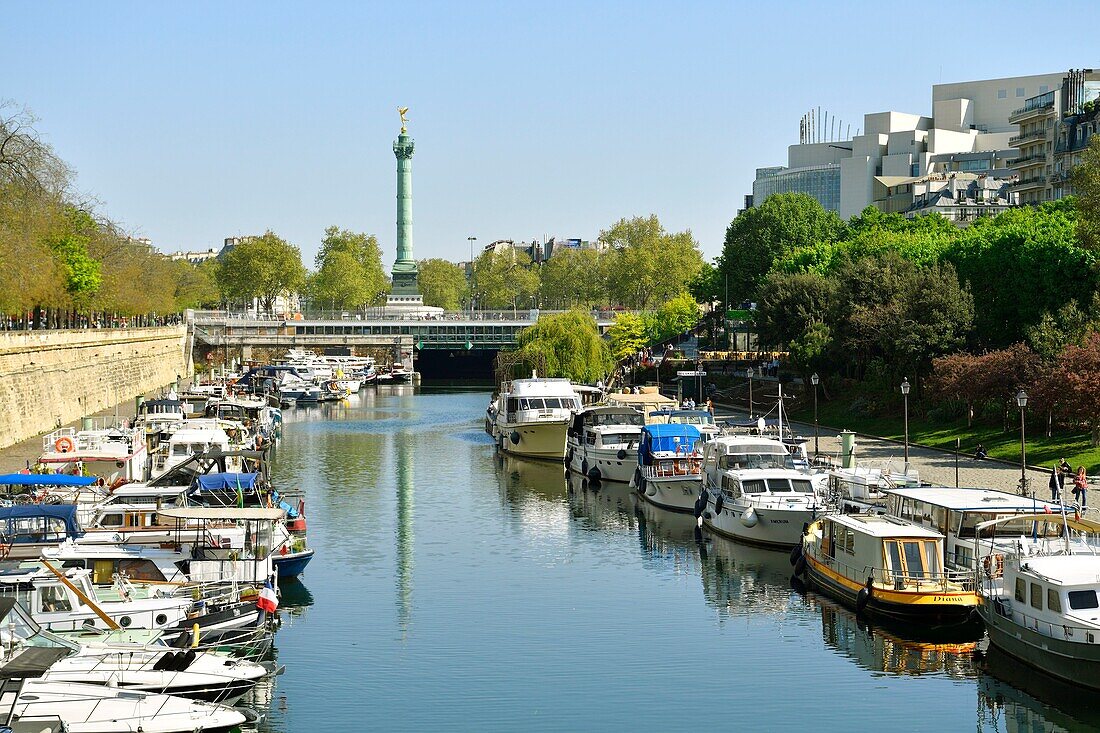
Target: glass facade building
{"type": "Point", "coordinates": [820, 181]}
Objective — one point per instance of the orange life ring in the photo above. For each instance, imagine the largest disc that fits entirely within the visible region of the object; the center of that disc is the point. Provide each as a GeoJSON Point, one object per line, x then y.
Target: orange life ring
{"type": "Point", "coordinates": [64, 444]}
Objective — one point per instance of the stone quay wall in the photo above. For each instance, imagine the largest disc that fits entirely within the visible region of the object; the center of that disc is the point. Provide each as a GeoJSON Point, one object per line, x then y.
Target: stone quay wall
{"type": "Point", "coordinates": [49, 378]}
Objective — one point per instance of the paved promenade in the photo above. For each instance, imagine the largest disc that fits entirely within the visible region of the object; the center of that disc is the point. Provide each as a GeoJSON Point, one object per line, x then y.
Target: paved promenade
{"type": "Point", "coordinates": [934, 466]}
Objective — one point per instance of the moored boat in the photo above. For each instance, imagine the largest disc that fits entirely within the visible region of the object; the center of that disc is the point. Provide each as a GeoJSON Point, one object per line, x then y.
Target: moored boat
{"type": "Point", "coordinates": [669, 470]}
{"type": "Point", "coordinates": [882, 565]}
{"type": "Point", "coordinates": [532, 416]}
{"type": "Point", "coordinates": [602, 443]}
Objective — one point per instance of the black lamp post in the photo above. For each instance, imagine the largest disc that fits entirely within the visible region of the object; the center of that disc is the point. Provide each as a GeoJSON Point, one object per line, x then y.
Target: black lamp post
{"type": "Point", "coordinates": [1021, 402]}
{"type": "Point", "coordinates": [750, 372]}
{"type": "Point", "coordinates": [905, 396]}
{"type": "Point", "coordinates": [816, 381]}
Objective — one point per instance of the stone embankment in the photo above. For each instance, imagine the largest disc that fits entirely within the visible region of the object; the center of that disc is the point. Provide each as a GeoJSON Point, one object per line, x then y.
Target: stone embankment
{"type": "Point", "coordinates": [48, 378]}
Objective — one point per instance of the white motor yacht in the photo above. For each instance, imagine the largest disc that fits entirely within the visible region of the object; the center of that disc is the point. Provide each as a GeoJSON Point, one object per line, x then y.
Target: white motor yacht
{"type": "Point", "coordinates": [116, 454]}
{"type": "Point", "coordinates": [752, 492]}
{"type": "Point", "coordinates": [532, 416]}
{"type": "Point", "coordinates": [602, 443]}
{"type": "Point", "coordinates": [668, 473]}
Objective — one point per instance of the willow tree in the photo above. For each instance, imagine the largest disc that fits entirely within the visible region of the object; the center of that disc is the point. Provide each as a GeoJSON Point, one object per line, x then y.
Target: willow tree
{"type": "Point", "coordinates": [570, 346]}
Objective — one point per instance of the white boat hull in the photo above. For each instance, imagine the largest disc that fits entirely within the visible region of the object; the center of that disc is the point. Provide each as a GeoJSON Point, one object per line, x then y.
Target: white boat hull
{"type": "Point", "coordinates": [674, 494]}
{"type": "Point", "coordinates": [544, 440]}
{"type": "Point", "coordinates": [778, 527]}
{"type": "Point", "coordinates": [607, 461]}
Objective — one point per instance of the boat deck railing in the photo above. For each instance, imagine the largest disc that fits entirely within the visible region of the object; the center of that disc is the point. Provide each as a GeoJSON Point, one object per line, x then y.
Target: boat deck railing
{"type": "Point", "coordinates": [1007, 609]}
{"type": "Point", "coordinates": [85, 442]}
{"type": "Point", "coordinates": [947, 581]}
{"type": "Point", "coordinates": [687, 466]}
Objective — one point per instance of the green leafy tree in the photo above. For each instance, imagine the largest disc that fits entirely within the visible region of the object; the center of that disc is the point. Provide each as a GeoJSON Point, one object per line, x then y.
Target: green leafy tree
{"type": "Point", "coordinates": [1069, 325]}
{"type": "Point", "coordinates": [569, 344]}
{"type": "Point", "coordinates": [573, 277]}
{"type": "Point", "coordinates": [83, 275]}
{"type": "Point", "coordinates": [442, 283]}
{"type": "Point", "coordinates": [264, 267]}
{"type": "Point", "coordinates": [763, 234]}
{"type": "Point", "coordinates": [1086, 181]}
{"type": "Point", "coordinates": [505, 280]}
{"type": "Point", "coordinates": [791, 304]}
{"type": "Point", "coordinates": [349, 270]}
{"type": "Point", "coordinates": [676, 315]}
{"type": "Point", "coordinates": [646, 264]}
{"type": "Point", "coordinates": [195, 285]}
{"type": "Point", "coordinates": [628, 335]}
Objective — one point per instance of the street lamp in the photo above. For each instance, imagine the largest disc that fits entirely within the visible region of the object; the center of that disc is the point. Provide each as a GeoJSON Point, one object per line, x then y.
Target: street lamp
{"type": "Point", "coordinates": [1021, 402]}
{"type": "Point", "coordinates": [471, 240]}
{"type": "Point", "coordinates": [750, 372]}
{"type": "Point", "coordinates": [816, 380]}
{"type": "Point", "coordinates": [905, 395]}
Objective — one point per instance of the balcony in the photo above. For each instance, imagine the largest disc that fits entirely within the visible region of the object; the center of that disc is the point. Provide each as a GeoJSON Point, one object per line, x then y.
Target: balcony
{"type": "Point", "coordinates": [1030, 184]}
{"type": "Point", "coordinates": [1034, 107]}
{"type": "Point", "coordinates": [1033, 136]}
{"type": "Point", "coordinates": [1028, 161]}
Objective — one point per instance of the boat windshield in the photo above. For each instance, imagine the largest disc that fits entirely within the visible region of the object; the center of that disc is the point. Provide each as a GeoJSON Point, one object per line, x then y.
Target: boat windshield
{"type": "Point", "coordinates": [547, 403]}
{"type": "Point", "coordinates": [970, 520]}
{"type": "Point", "coordinates": [617, 439]}
{"type": "Point", "coordinates": [18, 626]}
{"type": "Point", "coordinates": [635, 418]}
{"type": "Point", "coordinates": [745, 461]}
{"type": "Point", "coordinates": [691, 420]}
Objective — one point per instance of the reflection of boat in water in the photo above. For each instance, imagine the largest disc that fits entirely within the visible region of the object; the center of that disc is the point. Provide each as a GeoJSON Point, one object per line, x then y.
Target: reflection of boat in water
{"type": "Point", "coordinates": [890, 649]}
{"type": "Point", "coordinates": [1016, 699]}
{"type": "Point", "coordinates": [523, 476]}
{"type": "Point", "coordinates": [294, 596]}
{"type": "Point", "coordinates": [743, 580]}
{"type": "Point", "coordinates": [606, 504]}
{"type": "Point", "coordinates": [669, 538]}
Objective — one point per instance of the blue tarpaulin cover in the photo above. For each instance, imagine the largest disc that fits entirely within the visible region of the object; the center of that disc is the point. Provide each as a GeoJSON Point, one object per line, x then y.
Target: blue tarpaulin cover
{"type": "Point", "coordinates": [666, 438]}
{"type": "Point", "coordinates": [223, 481]}
{"type": "Point", "coordinates": [45, 479]}
{"type": "Point", "coordinates": [64, 512]}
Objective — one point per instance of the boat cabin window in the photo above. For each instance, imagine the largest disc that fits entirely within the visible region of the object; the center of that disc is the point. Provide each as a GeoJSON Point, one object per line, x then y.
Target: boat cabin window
{"type": "Point", "coordinates": [913, 558]}
{"type": "Point", "coordinates": [609, 439]}
{"type": "Point", "coordinates": [779, 485]}
{"type": "Point", "coordinates": [113, 519]}
{"type": "Point", "coordinates": [1054, 603]}
{"type": "Point", "coordinates": [802, 486]}
{"type": "Point", "coordinates": [846, 540]}
{"type": "Point", "coordinates": [755, 486]}
{"type": "Point", "coordinates": [730, 485]}
{"type": "Point", "coordinates": [742, 461]}
{"type": "Point", "coordinates": [513, 404]}
{"type": "Point", "coordinates": [964, 524]}
{"type": "Point", "coordinates": [37, 529]}
{"type": "Point", "coordinates": [1021, 592]}
{"type": "Point", "coordinates": [1082, 599]}
{"type": "Point", "coordinates": [1037, 596]}
{"type": "Point", "coordinates": [52, 599]}
{"type": "Point", "coordinates": [590, 438]}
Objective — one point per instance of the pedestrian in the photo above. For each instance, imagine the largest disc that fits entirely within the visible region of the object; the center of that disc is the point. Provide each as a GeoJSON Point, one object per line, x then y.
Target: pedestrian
{"type": "Point", "coordinates": [979, 452]}
{"type": "Point", "coordinates": [1056, 482]}
{"type": "Point", "coordinates": [1065, 468]}
{"type": "Point", "coordinates": [1080, 486]}
{"type": "Point", "coordinates": [710, 406]}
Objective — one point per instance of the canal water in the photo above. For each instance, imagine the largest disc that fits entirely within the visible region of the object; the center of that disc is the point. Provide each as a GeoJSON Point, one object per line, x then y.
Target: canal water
{"type": "Point", "coordinates": [455, 589]}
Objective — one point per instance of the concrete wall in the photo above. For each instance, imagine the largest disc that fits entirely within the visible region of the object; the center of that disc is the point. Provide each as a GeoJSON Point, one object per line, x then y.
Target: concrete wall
{"type": "Point", "coordinates": [47, 377]}
{"type": "Point", "coordinates": [989, 109]}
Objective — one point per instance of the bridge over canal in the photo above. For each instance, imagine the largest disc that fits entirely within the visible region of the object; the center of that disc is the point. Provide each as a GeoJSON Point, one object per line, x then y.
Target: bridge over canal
{"type": "Point", "coordinates": [457, 345]}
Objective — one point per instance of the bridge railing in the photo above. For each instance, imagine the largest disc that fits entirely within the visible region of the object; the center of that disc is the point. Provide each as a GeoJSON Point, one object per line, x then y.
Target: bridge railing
{"type": "Point", "coordinates": [381, 314]}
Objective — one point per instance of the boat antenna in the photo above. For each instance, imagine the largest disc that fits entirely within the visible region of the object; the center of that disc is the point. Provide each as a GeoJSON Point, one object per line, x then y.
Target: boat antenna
{"type": "Point", "coordinates": [780, 409]}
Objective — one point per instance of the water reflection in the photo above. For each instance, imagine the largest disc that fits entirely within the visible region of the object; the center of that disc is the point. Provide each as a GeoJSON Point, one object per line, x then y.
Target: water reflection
{"type": "Point", "coordinates": [741, 580]}
{"type": "Point", "coordinates": [603, 505]}
{"type": "Point", "coordinates": [1018, 698]}
{"type": "Point", "coordinates": [406, 537]}
{"type": "Point", "coordinates": [891, 650]}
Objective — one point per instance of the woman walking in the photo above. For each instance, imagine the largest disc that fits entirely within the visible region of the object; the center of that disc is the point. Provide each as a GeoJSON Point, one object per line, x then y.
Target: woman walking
{"type": "Point", "coordinates": [1080, 486]}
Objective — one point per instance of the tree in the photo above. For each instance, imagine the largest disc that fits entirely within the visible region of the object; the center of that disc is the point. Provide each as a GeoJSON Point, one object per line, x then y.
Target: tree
{"type": "Point", "coordinates": [573, 277]}
{"type": "Point", "coordinates": [569, 344]}
{"type": "Point", "coordinates": [196, 286]}
{"type": "Point", "coordinates": [1086, 180]}
{"type": "Point", "coordinates": [1076, 375]}
{"type": "Point", "coordinates": [646, 264]}
{"type": "Point", "coordinates": [349, 270]}
{"type": "Point", "coordinates": [790, 304]}
{"type": "Point", "coordinates": [263, 267]}
{"type": "Point", "coordinates": [341, 282]}
{"type": "Point", "coordinates": [1070, 325]}
{"type": "Point", "coordinates": [674, 316]}
{"type": "Point", "coordinates": [442, 283]}
{"type": "Point", "coordinates": [762, 234]}
{"type": "Point", "coordinates": [504, 280]}
{"type": "Point", "coordinates": [959, 377]}
{"type": "Point", "coordinates": [628, 335]}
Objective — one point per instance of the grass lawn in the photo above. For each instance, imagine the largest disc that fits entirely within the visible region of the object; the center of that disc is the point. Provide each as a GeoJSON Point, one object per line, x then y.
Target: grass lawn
{"type": "Point", "coordinates": [1041, 450]}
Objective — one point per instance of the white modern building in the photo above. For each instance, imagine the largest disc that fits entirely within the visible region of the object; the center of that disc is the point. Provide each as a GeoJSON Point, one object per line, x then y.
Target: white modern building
{"type": "Point", "coordinates": [969, 122]}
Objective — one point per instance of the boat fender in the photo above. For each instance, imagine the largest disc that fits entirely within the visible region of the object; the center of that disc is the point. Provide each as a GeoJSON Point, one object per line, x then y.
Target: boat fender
{"type": "Point", "coordinates": [796, 552]}
{"type": "Point", "coordinates": [569, 456]}
{"type": "Point", "coordinates": [800, 567]}
{"type": "Point", "coordinates": [584, 467]}
{"type": "Point", "coordinates": [167, 661]}
{"type": "Point", "coordinates": [700, 505]}
{"type": "Point", "coordinates": [718, 503]}
{"type": "Point", "coordinates": [514, 437]}
{"type": "Point", "coordinates": [621, 454]}
{"type": "Point", "coordinates": [864, 596]}
{"type": "Point", "coordinates": [749, 517]}
{"type": "Point", "coordinates": [594, 474]}
{"type": "Point", "coordinates": [184, 660]}
{"type": "Point", "coordinates": [641, 485]}
{"type": "Point", "coordinates": [636, 482]}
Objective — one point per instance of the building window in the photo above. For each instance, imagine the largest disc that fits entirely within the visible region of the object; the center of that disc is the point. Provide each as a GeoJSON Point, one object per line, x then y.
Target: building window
{"type": "Point", "coordinates": [1002, 93]}
{"type": "Point", "coordinates": [1019, 91]}
{"type": "Point", "coordinates": [1043, 88]}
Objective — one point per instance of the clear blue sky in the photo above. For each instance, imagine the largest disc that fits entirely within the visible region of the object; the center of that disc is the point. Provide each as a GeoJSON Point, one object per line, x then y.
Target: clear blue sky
{"type": "Point", "coordinates": [192, 122]}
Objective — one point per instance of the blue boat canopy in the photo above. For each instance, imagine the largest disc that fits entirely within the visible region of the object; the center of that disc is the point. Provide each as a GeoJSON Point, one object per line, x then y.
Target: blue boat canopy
{"type": "Point", "coordinates": [667, 438]}
{"type": "Point", "coordinates": [224, 481]}
{"type": "Point", "coordinates": [45, 479]}
{"type": "Point", "coordinates": [62, 514]}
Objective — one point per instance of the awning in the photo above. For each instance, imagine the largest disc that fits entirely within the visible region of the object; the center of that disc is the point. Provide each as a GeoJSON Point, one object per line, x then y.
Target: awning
{"type": "Point", "coordinates": [223, 481]}
{"type": "Point", "coordinates": [222, 513]}
{"type": "Point", "coordinates": [45, 479]}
